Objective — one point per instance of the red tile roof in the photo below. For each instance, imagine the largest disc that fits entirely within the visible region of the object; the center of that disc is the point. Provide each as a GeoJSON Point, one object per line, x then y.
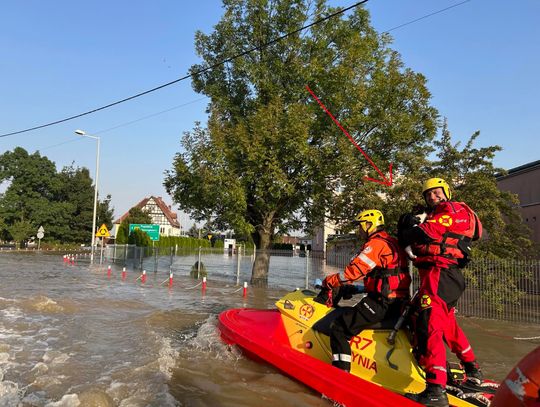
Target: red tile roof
{"type": "Point", "coordinates": [169, 214]}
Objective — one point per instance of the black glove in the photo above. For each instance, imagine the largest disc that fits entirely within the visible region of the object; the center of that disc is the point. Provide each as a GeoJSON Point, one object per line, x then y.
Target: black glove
{"type": "Point", "coordinates": [407, 221]}
{"type": "Point", "coordinates": [348, 290]}
{"type": "Point", "coordinates": [329, 296]}
{"type": "Point", "coordinates": [417, 209]}
{"type": "Point", "coordinates": [323, 296]}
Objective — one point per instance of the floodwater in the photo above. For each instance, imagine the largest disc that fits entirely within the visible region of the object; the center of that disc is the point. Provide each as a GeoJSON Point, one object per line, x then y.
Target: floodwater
{"type": "Point", "coordinates": [71, 335]}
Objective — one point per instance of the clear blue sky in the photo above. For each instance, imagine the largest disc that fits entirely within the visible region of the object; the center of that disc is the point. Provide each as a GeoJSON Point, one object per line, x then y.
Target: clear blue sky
{"type": "Point", "coordinates": [61, 58]}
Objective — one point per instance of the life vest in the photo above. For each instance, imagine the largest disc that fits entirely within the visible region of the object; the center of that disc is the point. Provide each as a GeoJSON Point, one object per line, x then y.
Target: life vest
{"type": "Point", "coordinates": [461, 227]}
{"type": "Point", "coordinates": [394, 280]}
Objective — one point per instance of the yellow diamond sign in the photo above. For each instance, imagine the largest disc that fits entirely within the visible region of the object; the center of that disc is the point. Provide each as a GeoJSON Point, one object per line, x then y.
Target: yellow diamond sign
{"type": "Point", "coordinates": [103, 231]}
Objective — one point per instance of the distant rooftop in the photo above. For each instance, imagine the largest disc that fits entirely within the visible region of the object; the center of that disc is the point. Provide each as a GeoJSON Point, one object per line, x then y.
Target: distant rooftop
{"type": "Point", "coordinates": [166, 209]}
{"type": "Point", "coordinates": [522, 168]}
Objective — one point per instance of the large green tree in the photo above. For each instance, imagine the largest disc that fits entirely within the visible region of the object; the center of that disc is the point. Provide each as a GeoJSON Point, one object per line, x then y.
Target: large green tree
{"type": "Point", "coordinates": [77, 190]}
{"type": "Point", "coordinates": [36, 193]}
{"type": "Point", "coordinates": [269, 159]}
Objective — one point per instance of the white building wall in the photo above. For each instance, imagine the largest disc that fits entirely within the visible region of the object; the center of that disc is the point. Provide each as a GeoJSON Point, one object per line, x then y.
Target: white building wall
{"type": "Point", "coordinates": [159, 218]}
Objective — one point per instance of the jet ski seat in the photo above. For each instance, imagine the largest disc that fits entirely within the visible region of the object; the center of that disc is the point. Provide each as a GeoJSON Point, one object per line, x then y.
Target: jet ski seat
{"type": "Point", "coordinates": [323, 325]}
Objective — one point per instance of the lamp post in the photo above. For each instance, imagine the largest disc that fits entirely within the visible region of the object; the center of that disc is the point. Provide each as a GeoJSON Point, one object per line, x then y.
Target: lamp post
{"type": "Point", "coordinates": [83, 133]}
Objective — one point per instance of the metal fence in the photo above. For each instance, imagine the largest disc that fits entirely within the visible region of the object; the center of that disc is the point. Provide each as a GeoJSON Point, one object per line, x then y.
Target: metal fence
{"type": "Point", "coordinates": [288, 269]}
{"type": "Point", "coordinates": [502, 290]}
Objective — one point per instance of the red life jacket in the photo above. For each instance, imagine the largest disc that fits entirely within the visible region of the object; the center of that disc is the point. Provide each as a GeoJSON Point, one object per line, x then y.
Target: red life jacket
{"type": "Point", "coordinates": [461, 227]}
{"type": "Point", "coordinates": [394, 280]}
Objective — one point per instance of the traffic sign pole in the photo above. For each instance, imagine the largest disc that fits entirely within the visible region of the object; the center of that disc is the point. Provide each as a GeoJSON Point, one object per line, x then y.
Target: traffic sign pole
{"type": "Point", "coordinates": [102, 233]}
{"type": "Point", "coordinates": [40, 234]}
{"type": "Point", "coordinates": [101, 254]}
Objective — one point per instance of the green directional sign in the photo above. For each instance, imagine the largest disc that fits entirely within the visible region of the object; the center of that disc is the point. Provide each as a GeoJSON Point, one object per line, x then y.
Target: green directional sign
{"type": "Point", "coordinates": [151, 230]}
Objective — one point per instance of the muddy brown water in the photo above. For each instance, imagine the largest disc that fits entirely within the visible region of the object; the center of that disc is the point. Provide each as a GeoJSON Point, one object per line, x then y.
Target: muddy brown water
{"type": "Point", "coordinates": [72, 336]}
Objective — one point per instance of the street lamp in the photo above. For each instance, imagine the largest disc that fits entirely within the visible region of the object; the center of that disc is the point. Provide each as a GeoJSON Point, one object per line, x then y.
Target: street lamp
{"type": "Point", "coordinates": [83, 133]}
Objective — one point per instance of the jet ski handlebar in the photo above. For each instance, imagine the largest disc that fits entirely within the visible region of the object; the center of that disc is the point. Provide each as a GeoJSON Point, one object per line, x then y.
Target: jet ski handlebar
{"type": "Point", "coordinates": [331, 297]}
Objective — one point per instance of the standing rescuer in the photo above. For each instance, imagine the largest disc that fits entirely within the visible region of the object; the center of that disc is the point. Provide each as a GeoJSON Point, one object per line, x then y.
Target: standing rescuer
{"type": "Point", "coordinates": [382, 265]}
{"type": "Point", "coordinates": [441, 245]}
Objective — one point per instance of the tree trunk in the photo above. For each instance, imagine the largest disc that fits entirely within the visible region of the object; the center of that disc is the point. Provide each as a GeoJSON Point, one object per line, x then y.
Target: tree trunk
{"type": "Point", "coordinates": [262, 238]}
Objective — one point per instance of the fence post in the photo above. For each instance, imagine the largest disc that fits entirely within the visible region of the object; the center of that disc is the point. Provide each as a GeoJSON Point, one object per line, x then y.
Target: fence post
{"type": "Point", "coordinates": [125, 254]}
{"type": "Point", "coordinates": [114, 254]}
{"type": "Point", "coordinates": [307, 269]}
{"type": "Point", "coordinates": [140, 256]}
{"type": "Point", "coordinates": [199, 264]}
{"type": "Point", "coordinates": [156, 250]}
{"type": "Point", "coordinates": [238, 265]}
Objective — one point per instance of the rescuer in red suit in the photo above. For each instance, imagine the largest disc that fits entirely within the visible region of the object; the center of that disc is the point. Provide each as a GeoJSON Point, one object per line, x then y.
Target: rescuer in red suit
{"type": "Point", "coordinates": [382, 265]}
{"type": "Point", "coordinates": [440, 248]}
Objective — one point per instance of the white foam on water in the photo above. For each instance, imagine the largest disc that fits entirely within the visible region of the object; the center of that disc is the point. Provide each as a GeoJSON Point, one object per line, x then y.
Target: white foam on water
{"type": "Point", "coordinates": [40, 367]}
{"type": "Point", "coordinates": [167, 356]}
{"type": "Point", "coordinates": [61, 359]}
{"type": "Point", "coordinates": [46, 304]}
{"type": "Point", "coordinates": [118, 391]}
{"type": "Point", "coordinates": [12, 313]}
{"type": "Point", "coordinates": [10, 395]}
{"type": "Point", "coordinates": [208, 339]}
{"type": "Point", "coordinates": [68, 400]}
{"type": "Point", "coordinates": [8, 334]}
{"type": "Point", "coordinates": [34, 399]}
{"type": "Point", "coordinates": [54, 357]}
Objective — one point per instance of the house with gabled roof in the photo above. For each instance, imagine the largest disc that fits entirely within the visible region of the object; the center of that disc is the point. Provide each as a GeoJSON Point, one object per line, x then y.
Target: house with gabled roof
{"type": "Point", "coordinates": [160, 213]}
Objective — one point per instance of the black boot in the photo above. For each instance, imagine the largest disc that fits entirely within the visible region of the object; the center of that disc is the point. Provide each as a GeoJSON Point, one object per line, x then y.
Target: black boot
{"type": "Point", "coordinates": [346, 366]}
{"type": "Point", "coordinates": [433, 396]}
{"type": "Point", "coordinates": [473, 372]}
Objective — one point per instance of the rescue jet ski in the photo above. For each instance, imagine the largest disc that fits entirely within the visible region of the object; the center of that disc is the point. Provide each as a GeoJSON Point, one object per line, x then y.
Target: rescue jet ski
{"type": "Point", "coordinates": [294, 338]}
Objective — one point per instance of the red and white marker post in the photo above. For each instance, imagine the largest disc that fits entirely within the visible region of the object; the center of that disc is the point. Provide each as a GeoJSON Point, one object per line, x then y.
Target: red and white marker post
{"type": "Point", "coordinates": [203, 285]}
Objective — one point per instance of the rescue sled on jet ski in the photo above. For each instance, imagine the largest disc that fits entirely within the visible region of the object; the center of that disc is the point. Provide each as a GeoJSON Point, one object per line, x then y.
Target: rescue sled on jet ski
{"type": "Point", "coordinates": [295, 339]}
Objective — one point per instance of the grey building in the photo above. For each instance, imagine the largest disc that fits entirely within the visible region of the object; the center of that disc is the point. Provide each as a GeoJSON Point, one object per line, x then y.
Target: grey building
{"type": "Point", "coordinates": [525, 182]}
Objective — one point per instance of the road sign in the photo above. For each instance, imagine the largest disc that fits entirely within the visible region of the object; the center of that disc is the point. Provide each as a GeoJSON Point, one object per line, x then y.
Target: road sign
{"type": "Point", "coordinates": [40, 234]}
{"type": "Point", "coordinates": [103, 231]}
{"type": "Point", "coordinates": [151, 230]}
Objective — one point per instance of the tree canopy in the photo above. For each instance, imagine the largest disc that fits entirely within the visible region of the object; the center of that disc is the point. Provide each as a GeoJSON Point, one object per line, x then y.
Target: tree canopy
{"type": "Point", "coordinates": [38, 195]}
{"type": "Point", "coordinates": [269, 158]}
{"type": "Point", "coordinates": [135, 216]}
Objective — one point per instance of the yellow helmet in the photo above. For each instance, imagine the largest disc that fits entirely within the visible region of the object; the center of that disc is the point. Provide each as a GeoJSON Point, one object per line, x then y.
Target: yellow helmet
{"type": "Point", "coordinates": [437, 183]}
{"type": "Point", "coordinates": [370, 220]}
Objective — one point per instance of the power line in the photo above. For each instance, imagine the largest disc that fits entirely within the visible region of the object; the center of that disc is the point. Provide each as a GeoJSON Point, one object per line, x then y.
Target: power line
{"type": "Point", "coordinates": [150, 116]}
{"type": "Point", "coordinates": [189, 75]}
{"type": "Point", "coordinates": [126, 123]}
{"type": "Point", "coordinates": [221, 63]}
{"type": "Point", "coordinates": [427, 15]}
